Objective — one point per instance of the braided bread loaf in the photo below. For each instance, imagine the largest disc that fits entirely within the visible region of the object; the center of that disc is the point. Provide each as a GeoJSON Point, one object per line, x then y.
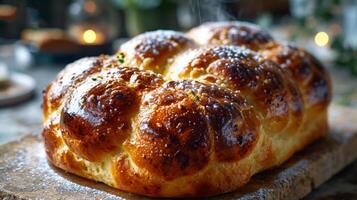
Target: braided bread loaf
{"type": "Point", "coordinates": [179, 115]}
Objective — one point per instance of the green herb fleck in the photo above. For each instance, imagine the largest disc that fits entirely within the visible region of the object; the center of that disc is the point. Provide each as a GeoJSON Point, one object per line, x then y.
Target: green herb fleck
{"type": "Point", "coordinates": [121, 58]}
{"type": "Point", "coordinates": [94, 79]}
{"type": "Point", "coordinates": [194, 96]}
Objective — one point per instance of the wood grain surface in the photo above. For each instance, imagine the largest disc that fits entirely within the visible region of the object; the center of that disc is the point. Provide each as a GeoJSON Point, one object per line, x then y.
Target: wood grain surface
{"type": "Point", "coordinates": [26, 174]}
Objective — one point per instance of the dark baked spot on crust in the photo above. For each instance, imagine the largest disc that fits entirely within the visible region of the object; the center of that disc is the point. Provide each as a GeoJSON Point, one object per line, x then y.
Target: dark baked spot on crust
{"type": "Point", "coordinates": [318, 91]}
{"type": "Point", "coordinates": [236, 131]}
{"type": "Point", "coordinates": [96, 118]}
{"type": "Point", "coordinates": [294, 60]}
{"type": "Point", "coordinates": [261, 81]}
{"type": "Point", "coordinates": [307, 72]}
{"type": "Point", "coordinates": [68, 78]}
{"type": "Point", "coordinates": [235, 33]}
{"type": "Point", "coordinates": [173, 139]}
{"type": "Point", "coordinates": [175, 123]}
{"type": "Point", "coordinates": [98, 121]}
{"type": "Point", "coordinates": [231, 118]}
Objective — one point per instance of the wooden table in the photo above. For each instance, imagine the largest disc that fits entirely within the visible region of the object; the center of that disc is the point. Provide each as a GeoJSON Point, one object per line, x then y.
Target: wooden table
{"type": "Point", "coordinates": [25, 119]}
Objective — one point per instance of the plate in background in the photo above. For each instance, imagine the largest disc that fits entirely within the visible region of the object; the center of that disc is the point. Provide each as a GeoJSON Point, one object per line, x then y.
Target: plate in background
{"type": "Point", "coordinates": [21, 88]}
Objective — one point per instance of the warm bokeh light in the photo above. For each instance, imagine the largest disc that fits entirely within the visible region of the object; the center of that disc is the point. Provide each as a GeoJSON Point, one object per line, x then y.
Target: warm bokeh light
{"type": "Point", "coordinates": [8, 12]}
{"type": "Point", "coordinates": [90, 6]}
{"type": "Point", "coordinates": [321, 39]}
{"type": "Point", "coordinates": [89, 36]}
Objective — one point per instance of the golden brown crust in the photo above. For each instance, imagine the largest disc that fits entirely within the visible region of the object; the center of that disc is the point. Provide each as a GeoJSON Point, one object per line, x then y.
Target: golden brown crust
{"type": "Point", "coordinates": [231, 33]}
{"type": "Point", "coordinates": [96, 118]}
{"type": "Point", "coordinates": [73, 73]}
{"type": "Point", "coordinates": [261, 81]}
{"type": "Point", "coordinates": [175, 115]}
{"type": "Point", "coordinates": [230, 118]}
{"type": "Point", "coordinates": [154, 50]}
{"type": "Point", "coordinates": [171, 145]}
{"type": "Point", "coordinates": [313, 81]}
{"type": "Point", "coordinates": [174, 145]}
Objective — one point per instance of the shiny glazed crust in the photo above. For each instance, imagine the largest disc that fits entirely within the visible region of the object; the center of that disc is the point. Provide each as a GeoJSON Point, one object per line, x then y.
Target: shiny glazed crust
{"type": "Point", "coordinates": [186, 115]}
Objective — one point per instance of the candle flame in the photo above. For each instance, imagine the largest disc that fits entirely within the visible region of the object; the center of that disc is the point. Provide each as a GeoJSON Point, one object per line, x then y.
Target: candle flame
{"type": "Point", "coordinates": [89, 36]}
{"type": "Point", "coordinates": [321, 39]}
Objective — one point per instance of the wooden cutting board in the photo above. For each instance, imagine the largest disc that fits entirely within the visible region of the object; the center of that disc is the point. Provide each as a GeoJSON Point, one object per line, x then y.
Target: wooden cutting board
{"type": "Point", "coordinates": [26, 174]}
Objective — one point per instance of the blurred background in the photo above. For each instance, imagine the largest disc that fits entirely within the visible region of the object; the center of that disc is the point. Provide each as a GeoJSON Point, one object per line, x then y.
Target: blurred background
{"type": "Point", "coordinates": [61, 31]}
{"type": "Point", "coordinates": [39, 37]}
